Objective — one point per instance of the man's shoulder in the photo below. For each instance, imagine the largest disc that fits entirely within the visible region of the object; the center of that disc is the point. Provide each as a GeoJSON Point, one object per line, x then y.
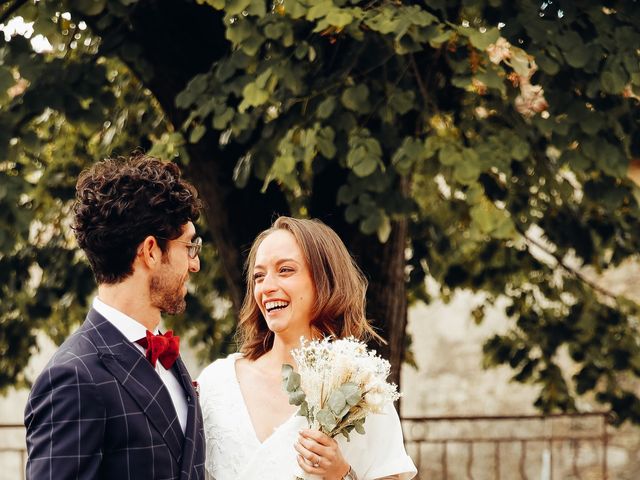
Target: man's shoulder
{"type": "Point", "coordinates": [75, 357]}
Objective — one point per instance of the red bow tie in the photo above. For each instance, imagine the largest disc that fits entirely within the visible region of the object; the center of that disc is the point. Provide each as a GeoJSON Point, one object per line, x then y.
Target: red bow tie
{"type": "Point", "coordinates": [164, 347]}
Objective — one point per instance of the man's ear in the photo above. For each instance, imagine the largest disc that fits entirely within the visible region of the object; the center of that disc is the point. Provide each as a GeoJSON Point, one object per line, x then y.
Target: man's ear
{"type": "Point", "coordinates": [149, 252]}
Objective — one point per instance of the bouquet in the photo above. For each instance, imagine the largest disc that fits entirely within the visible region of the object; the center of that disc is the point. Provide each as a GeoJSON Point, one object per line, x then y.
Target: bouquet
{"type": "Point", "coordinates": [338, 383]}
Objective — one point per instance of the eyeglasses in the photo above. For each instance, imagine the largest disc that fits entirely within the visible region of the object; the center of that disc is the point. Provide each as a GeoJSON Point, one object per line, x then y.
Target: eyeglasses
{"type": "Point", "coordinates": [193, 248]}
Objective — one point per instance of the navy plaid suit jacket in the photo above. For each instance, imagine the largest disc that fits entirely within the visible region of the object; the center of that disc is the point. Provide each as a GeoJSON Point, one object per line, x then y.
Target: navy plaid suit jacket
{"type": "Point", "coordinates": [99, 410]}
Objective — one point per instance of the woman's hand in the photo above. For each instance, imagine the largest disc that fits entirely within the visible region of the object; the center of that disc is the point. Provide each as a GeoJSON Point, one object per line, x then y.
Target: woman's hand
{"type": "Point", "coordinates": [320, 454]}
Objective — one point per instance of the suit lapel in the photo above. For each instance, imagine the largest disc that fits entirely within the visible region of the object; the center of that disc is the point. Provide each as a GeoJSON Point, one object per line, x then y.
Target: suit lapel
{"type": "Point", "coordinates": [136, 375]}
{"type": "Point", "coordinates": [191, 430]}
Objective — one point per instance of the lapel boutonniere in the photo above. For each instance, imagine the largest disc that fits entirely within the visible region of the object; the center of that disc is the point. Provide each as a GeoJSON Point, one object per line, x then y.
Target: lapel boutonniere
{"type": "Point", "coordinates": [196, 387]}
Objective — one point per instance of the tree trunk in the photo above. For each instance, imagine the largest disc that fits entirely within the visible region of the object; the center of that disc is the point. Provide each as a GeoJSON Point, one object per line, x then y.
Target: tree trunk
{"type": "Point", "coordinates": [382, 263]}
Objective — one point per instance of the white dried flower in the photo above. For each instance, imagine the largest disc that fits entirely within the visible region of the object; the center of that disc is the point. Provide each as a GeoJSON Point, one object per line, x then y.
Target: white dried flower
{"type": "Point", "coordinates": [499, 51]}
{"type": "Point", "coordinates": [340, 383]}
{"type": "Point", "coordinates": [531, 99]}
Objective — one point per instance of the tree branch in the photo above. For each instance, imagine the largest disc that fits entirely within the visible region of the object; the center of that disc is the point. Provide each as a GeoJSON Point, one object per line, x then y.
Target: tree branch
{"type": "Point", "coordinates": [11, 10]}
{"type": "Point", "coordinates": [416, 73]}
{"type": "Point", "coordinates": [561, 263]}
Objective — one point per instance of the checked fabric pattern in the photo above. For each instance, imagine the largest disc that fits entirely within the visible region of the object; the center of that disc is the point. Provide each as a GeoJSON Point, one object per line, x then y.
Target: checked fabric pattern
{"type": "Point", "coordinates": [100, 411]}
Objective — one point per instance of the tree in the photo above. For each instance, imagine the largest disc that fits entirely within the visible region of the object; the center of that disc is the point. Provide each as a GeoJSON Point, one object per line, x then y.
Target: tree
{"type": "Point", "coordinates": [454, 140]}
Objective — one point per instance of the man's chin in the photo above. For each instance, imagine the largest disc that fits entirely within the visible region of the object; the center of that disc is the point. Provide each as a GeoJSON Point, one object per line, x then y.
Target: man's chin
{"type": "Point", "coordinates": [176, 309]}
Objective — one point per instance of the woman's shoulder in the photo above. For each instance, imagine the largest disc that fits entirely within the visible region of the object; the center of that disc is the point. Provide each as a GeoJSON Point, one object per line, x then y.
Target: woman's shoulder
{"type": "Point", "coordinates": [218, 369]}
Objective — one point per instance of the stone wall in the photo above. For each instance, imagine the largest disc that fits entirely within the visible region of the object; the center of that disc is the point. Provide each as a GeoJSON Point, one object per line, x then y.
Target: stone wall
{"type": "Point", "coordinates": [450, 381]}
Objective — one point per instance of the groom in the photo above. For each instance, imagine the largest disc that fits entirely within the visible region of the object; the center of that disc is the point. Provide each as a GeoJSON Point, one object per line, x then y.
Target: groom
{"type": "Point", "coordinates": [116, 401]}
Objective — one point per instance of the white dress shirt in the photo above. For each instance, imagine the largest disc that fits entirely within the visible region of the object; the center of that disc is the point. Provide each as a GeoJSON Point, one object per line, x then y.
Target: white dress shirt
{"type": "Point", "coordinates": [134, 330]}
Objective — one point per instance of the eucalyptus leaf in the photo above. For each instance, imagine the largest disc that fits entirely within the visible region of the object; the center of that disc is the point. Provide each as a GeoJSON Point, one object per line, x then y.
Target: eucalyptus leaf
{"type": "Point", "coordinates": [351, 392]}
{"type": "Point", "coordinates": [326, 419]}
{"type": "Point", "coordinates": [336, 402]}
{"type": "Point", "coordinates": [297, 397]}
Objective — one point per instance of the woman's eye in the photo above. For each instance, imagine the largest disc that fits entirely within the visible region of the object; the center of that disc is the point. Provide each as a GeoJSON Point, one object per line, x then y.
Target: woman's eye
{"type": "Point", "coordinates": [286, 269]}
{"type": "Point", "coordinates": [257, 276]}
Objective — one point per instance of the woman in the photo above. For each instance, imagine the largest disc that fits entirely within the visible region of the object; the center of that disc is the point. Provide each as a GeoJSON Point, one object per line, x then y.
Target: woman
{"type": "Point", "coordinates": [301, 282]}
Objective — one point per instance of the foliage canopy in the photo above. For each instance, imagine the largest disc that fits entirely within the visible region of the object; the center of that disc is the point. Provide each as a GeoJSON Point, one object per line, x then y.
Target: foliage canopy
{"type": "Point", "coordinates": [491, 138]}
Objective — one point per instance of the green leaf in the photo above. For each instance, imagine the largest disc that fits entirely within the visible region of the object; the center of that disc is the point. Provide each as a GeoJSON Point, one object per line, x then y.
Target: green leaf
{"type": "Point", "coordinates": [431, 145]}
{"type": "Point", "coordinates": [612, 81]}
{"type": "Point", "coordinates": [578, 56]}
{"type": "Point", "coordinates": [217, 4]}
{"type": "Point", "coordinates": [359, 426]}
{"type": "Point", "coordinates": [359, 160]}
{"type": "Point", "coordinates": [466, 173]}
{"type": "Point", "coordinates": [384, 230]}
{"type": "Point", "coordinates": [491, 79]}
{"type": "Point", "coordinates": [352, 213]}
{"type": "Point", "coordinates": [345, 195]}
{"type": "Point", "coordinates": [339, 18]}
{"type": "Point", "coordinates": [221, 121]}
{"type": "Point", "coordinates": [326, 107]}
{"type": "Point", "coordinates": [520, 149]}
{"type": "Point", "coordinates": [569, 40]}
{"type": "Point", "coordinates": [356, 98]}
{"type": "Point", "coordinates": [611, 160]}
{"type": "Point", "coordinates": [402, 101]}
{"type": "Point", "coordinates": [239, 31]}
{"type": "Point", "coordinates": [254, 96]}
{"type": "Point", "coordinates": [371, 222]}
{"type": "Point", "coordinates": [410, 152]}
{"type": "Point", "coordinates": [90, 7]}
{"type": "Point", "coordinates": [449, 155]}
{"type": "Point", "coordinates": [324, 142]}
{"type": "Point", "coordinates": [197, 133]}
{"type": "Point", "coordinates": [482, 40]}
{"type": "Point", "coordinates": [6, 79]}
{"type": "Point", "coordinates": [294, 8]}
{"type": "Point", "coordinates": [383, 21]}
{"type": "Point", "coordinates": [547, 64]}
{"type": "Point", "coordinates": [320, 9]}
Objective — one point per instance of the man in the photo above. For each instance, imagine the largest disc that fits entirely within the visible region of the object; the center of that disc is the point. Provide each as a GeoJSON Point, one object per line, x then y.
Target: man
{"type": "Point", "coordinates": [114, 402]}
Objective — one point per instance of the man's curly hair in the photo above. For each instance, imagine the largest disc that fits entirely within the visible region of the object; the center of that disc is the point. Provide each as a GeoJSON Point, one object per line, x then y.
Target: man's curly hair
{"type": "Point", "coordinates": [119, 202]}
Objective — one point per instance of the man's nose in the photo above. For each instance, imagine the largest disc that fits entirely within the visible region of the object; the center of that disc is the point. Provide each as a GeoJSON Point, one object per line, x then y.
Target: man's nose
{"type": "Point", "coordinates": [194, 264]}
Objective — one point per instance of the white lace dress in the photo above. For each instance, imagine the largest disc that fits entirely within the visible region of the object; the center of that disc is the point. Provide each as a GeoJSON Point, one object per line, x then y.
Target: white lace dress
{"type": "Point", "coordinates": [235, 453]}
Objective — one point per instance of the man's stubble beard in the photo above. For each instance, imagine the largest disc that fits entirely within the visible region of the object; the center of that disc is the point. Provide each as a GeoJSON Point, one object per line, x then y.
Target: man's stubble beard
{"type": "Point", "coordinates": [164, 296]}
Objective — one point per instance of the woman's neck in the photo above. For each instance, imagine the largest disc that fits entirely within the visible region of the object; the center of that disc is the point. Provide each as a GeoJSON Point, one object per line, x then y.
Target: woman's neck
{"type": "Point", "coordinates": [280, 352]}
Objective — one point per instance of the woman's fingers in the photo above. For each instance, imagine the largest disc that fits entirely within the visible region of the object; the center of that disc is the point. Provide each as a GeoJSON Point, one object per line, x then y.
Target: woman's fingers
{"type": "Point", "coordinates": [312, 452]}
{"type": "Point", "coordinates": [309, 468]}
{"type": "Point", "coordinates": [315, 447]}
{"type": "Point", "coordinates": [319, 454]}
{"type": "Point", "coordinates": [318, 436]}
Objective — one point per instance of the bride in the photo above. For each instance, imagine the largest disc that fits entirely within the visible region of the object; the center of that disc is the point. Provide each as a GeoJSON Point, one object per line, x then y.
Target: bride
{"type": "Point", "coordinates": [301, 281]}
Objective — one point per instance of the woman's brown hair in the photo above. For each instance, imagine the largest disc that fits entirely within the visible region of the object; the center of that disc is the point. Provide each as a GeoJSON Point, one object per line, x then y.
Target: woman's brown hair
{"type": "Point", "coordinates": [341, 287]}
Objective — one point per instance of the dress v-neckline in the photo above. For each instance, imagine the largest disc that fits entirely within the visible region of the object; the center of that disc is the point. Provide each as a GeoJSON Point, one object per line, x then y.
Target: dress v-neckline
{"type": "Point", "coordinates": [245, 408]}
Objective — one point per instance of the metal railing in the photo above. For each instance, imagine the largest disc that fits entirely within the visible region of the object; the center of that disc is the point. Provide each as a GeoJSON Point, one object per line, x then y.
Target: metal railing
{"type": "Point", "coordinates": [509, 447]}
{"type": "Point", "coordinates": [527, 447]}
